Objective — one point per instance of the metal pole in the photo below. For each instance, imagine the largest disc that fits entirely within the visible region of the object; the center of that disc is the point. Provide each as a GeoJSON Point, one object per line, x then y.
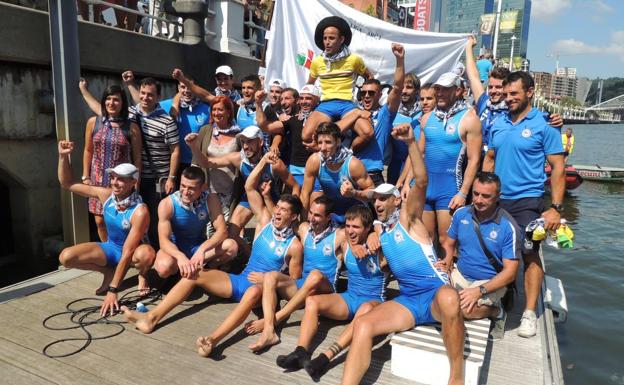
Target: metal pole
{"type": "Point", "coordinates": [513, 40]}
{"type": "Point", "coordinates": [65, 76]}
{"type": "Point", "coordinates": [496, 27]}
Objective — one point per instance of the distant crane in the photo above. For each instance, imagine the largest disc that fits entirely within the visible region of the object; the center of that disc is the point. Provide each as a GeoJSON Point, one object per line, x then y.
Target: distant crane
{"type": "Point", "coordinates": [556, 55]}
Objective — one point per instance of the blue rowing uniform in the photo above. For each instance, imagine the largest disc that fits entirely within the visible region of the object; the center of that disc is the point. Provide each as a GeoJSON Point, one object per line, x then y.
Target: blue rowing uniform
{"type": "Point", "coordinates": [189, 224]}
{"type": "Point", "coordinates": [412, 263]}
{"type": "Point", "coordinates": [267, 254]}
{"type": "Point", "coordinates": [487, 115]}
{"type": "Point", "coordinates": [366, 281]}
{"type": "Point", "coordinates": [267, 175]}
{"type": "Point", "coordinates": [320, 256]}
{"type": "Point", "coordinates": [330, 183]}
{"type": "Point", "coordinates": [444, 157]}
{"type": "Point", "coordinates": [372, 155]}
{"type": "Point", "coordinates": [118, 224]}
{"type": "Point", "coordinates": [245, 117]}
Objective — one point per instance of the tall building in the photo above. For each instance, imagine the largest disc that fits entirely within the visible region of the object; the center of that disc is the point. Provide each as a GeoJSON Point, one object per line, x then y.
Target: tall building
{"type": "Point", "coordinates": [463, 16]}
{"type": "Point", "coordinates": [563, 83]}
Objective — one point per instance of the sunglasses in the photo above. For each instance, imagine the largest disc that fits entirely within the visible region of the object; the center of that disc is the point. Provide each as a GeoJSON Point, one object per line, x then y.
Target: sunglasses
{"type": "Point", "coordinates": [371, 93]}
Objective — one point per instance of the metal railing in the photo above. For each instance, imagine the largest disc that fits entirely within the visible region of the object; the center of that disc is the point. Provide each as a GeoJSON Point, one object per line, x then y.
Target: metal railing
{"type": "Point", "coordinates": [256, 30]}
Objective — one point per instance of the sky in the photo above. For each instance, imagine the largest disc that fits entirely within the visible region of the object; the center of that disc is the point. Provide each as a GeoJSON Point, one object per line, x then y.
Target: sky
{"type": "Point", "coordinates": [587, 34]}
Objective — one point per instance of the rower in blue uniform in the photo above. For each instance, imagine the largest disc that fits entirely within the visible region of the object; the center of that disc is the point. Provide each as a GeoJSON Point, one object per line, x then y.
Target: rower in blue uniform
{"type": "Point", "coordinates": [451, 140]}
{"type": "Point", "coordinates": [182, 220]}
{"type": "Point", "coordinates": [365, 290]}
{"type": "Point", "coordinates": [126, 219]}
{"type": "Point", "coordinates": [342, 176]}
{"type": "Point", "coordinates": [424, 295]}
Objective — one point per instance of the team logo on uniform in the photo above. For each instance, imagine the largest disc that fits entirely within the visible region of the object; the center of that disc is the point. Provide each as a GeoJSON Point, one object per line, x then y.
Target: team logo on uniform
{"type": "Point", "coordinates": [272, 244]}
{"type": "Point", "coordinates": [279, 250]}
{"type": "Point", "coordinates": [493, 234]}
{"type": "Point", "coordinates": [450, 128]}
{"type": "Point", "coordinates": [202, 214]}
{"type": "Point", "coordinates": [398, 237]}
{"type": "Point", "coordinates": [200, 119]}
{"type": "Point", "coordinates": [125, 224]}
{"type": "Point", "coordinates": [464, 221]}
{"type": "Point", "coordinates": [526, 133]}
{"type": "Point", "coordinates": [327, 249]}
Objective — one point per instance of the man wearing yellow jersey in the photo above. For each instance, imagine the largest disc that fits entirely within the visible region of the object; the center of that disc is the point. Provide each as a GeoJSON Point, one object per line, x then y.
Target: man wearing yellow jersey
{"type": "Point", "coordinates": [336, 68]}
{"type": "Point", "coordinates": [568, 143]}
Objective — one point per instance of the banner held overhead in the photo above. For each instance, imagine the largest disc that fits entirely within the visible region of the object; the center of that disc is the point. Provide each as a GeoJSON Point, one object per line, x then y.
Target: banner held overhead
{"type": "Point", "coordinates": [291, 43]}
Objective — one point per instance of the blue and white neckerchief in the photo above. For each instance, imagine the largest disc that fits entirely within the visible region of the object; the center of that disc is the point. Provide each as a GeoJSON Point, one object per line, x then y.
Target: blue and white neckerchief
{"type": "Point", "coordinates": [281, 234]}
{"type": "Point", "coordinates": [444, 116]}
{"type": "Point", "coordinates": [389, 223]}
{"type": "Point", "coordinates": [340, 156]}
{"type": "Point", "coordinates": [342, 54]}
{"type": "Point", "coordinates": [189, 104]}
{"type": "Point", "coordinates": [131, 200]}
{"type": "Point", "coordinates": [316, 238]}
{"type": "Point", "coordinates": [234, 95]}
{"type": "Point", "coordinates": [192, 207]}
{"type": "Point", "coordinates": [411, 111]}
{"type": "Point", "coordinates": [216, 131]}
{"type": "Point", "coordinates": [496, 107]}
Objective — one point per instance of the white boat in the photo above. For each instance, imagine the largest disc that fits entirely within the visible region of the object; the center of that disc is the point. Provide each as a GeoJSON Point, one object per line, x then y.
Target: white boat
{"type": "Point", "coordinates": [600, 173]}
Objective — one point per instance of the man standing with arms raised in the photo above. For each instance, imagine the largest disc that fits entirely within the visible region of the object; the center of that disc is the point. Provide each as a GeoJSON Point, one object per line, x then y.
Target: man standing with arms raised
{"type": "Point", "coordinates": [519, 143]}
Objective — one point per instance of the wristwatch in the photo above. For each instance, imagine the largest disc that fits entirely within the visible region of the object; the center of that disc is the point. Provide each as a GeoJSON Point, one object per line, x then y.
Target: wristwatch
{"type": "Point", "coordinates": [113, 289]}
{"type": "Point", "coordinates": [483, 290]}
{"type": "Point", "coordinates": [83, 178]}
{"type": "Point", "coordinates": [557, 206]}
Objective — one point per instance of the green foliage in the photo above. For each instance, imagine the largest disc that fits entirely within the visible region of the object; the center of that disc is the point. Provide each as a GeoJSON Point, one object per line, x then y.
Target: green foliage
{"type": "Point", "coordinates": [370, 10]}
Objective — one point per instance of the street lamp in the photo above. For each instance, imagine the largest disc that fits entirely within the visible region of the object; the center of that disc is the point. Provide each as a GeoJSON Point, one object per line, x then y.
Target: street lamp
{"type": "Point", "coordinates": [513, 40]}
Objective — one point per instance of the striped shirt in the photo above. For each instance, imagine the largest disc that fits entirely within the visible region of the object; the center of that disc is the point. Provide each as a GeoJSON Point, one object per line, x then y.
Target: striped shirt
{"type": "Point", "coordinates": [159, 131]}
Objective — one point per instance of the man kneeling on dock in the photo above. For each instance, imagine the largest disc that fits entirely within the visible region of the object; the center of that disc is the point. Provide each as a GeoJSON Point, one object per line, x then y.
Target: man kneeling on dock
{"type": "Point", "coordinates": [126, 218]}
{"type": "Point", "coordinates": [488, 253]}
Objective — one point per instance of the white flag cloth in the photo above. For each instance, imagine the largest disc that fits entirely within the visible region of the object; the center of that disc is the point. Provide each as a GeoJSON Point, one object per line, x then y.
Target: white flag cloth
{"type": "Point", "coordinates": [291, 43]}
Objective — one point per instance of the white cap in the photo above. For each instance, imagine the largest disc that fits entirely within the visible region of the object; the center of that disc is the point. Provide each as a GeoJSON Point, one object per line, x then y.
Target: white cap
{"type": "Point", "coordinates": [448, 79]}
{"type": "Point", "coordinates": [310, 89]}
{"type": "Point", "coordinates": [277, 83]}
{"type": "Point", "coordinates": [226, 70]}
{"type": "Point", "coordinates": [251, 132]}
{"type": "Point", "coordinates": [387, 189]}
{"type": "Point", "coordinates": [124, 170]}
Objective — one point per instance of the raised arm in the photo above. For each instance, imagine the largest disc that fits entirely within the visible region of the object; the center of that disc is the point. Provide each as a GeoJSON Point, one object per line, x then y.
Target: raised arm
{"type": "Point", "coordinates": [93, 104]}
{"type": "Point", "coordinates": [471, 69]}
{"type": "Point", "coordinates": [416, 198]}
{"type": "Point", "coordinates": [200, 92]}
{"type": "Point", "coordinates": [66, 178]}
{"type": "Point", "coordinates": [394, 98]}
{"type": "Point", "coordinates": [256, 202]}
{"type": "Point", "coordinates": [129, 81]}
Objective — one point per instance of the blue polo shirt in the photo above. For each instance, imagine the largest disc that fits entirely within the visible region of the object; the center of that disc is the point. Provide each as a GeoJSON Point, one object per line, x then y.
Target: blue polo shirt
{"type": "Point", "coordinates": [484, 66]}
{"type": "Point", "coordinates": [520, 152]}
{"type": "Point", "coordinates": [372, 155]}
{"type": "Point", "coordinates": [500, 234]}
{"type": "Point", "coordinates": [188, 121]}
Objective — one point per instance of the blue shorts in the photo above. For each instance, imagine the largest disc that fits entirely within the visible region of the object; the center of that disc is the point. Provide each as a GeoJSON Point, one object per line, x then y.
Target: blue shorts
{"type": "Point", "coordinates": [354, 301]}
{"type": "Point", "coordinates": [440, 191]}
{"type": "Point", "coordinates": [112, 252]}
{"type": "Point", "coordinates": [336, 109]}
{"type": "Point", "coordinates": [240, 284]}
{"type": "Point", "coordinates": [419, 305]}
{"type": "Point", "coordinates": [297, 173]}
{"type": "Point", "coordinates": [188, 250]}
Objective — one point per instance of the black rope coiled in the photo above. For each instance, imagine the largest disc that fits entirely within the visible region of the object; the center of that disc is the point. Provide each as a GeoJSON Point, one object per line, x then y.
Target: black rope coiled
{"type": "Point", "coordinates": [79, 318]}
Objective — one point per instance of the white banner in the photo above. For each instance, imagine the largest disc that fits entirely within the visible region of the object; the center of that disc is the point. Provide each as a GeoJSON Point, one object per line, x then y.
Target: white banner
{"type": "Point", "coordinates": [291, 43]}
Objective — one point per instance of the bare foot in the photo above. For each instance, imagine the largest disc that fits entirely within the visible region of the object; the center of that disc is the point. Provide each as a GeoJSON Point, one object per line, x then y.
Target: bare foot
{"type": "Point", "coordinates": [204, 346]}
{"type": "Point", "coordinates": [144, 287]}
{"type": "Point", "coordinates": [265, 341]}
{"type": "Point", "coordinates": [254, 327]}
{"type": "Point", "coordinates": [144, 322]}
{"type": "Point", "coordinates": [106, 280]}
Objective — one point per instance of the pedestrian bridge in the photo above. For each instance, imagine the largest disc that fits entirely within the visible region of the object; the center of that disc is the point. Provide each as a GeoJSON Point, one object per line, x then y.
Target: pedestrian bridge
{"type": "Point", "coordinates": [610, 111]}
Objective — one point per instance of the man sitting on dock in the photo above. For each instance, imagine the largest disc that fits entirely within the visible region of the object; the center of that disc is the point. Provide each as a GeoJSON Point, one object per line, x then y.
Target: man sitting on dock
{"type": "Point", "coordinates": [126, 218]}
{"type": "Point", "coordinates": [182, 219]}
{"type": "Point", "coordinates": [488, 254]}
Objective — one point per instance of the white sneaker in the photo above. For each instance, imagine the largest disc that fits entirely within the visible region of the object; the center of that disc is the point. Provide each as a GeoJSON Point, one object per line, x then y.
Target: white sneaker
{"type": "Point", "coordinates": [528, 324]}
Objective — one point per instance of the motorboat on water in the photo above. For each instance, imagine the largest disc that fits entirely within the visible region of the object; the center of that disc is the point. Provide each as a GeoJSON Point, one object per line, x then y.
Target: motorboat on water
{"type": "Point", "coordinates": [573, 178]}
{"type": "Point", "coordinates": [600, 173]}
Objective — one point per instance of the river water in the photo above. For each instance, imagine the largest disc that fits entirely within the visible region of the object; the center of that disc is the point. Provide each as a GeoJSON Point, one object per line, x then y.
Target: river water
{"type": "Point", "coordinates": [591, 342]}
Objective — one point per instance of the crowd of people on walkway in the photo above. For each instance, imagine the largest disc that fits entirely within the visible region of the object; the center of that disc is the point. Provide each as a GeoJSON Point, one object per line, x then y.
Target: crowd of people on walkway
{"type": "Point", "coordinates": [432, 187]}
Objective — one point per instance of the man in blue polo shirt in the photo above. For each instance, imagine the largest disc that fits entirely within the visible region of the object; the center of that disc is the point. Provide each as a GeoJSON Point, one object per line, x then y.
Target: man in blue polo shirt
{"type": "Point", "coordinates": [482, 277]}
{"type": "Point", "coordinates": [372, 154]}
{"type": "Point", "coordinates": [190, 114]}
{"type": "Point", "coordinates": [519, 143]}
